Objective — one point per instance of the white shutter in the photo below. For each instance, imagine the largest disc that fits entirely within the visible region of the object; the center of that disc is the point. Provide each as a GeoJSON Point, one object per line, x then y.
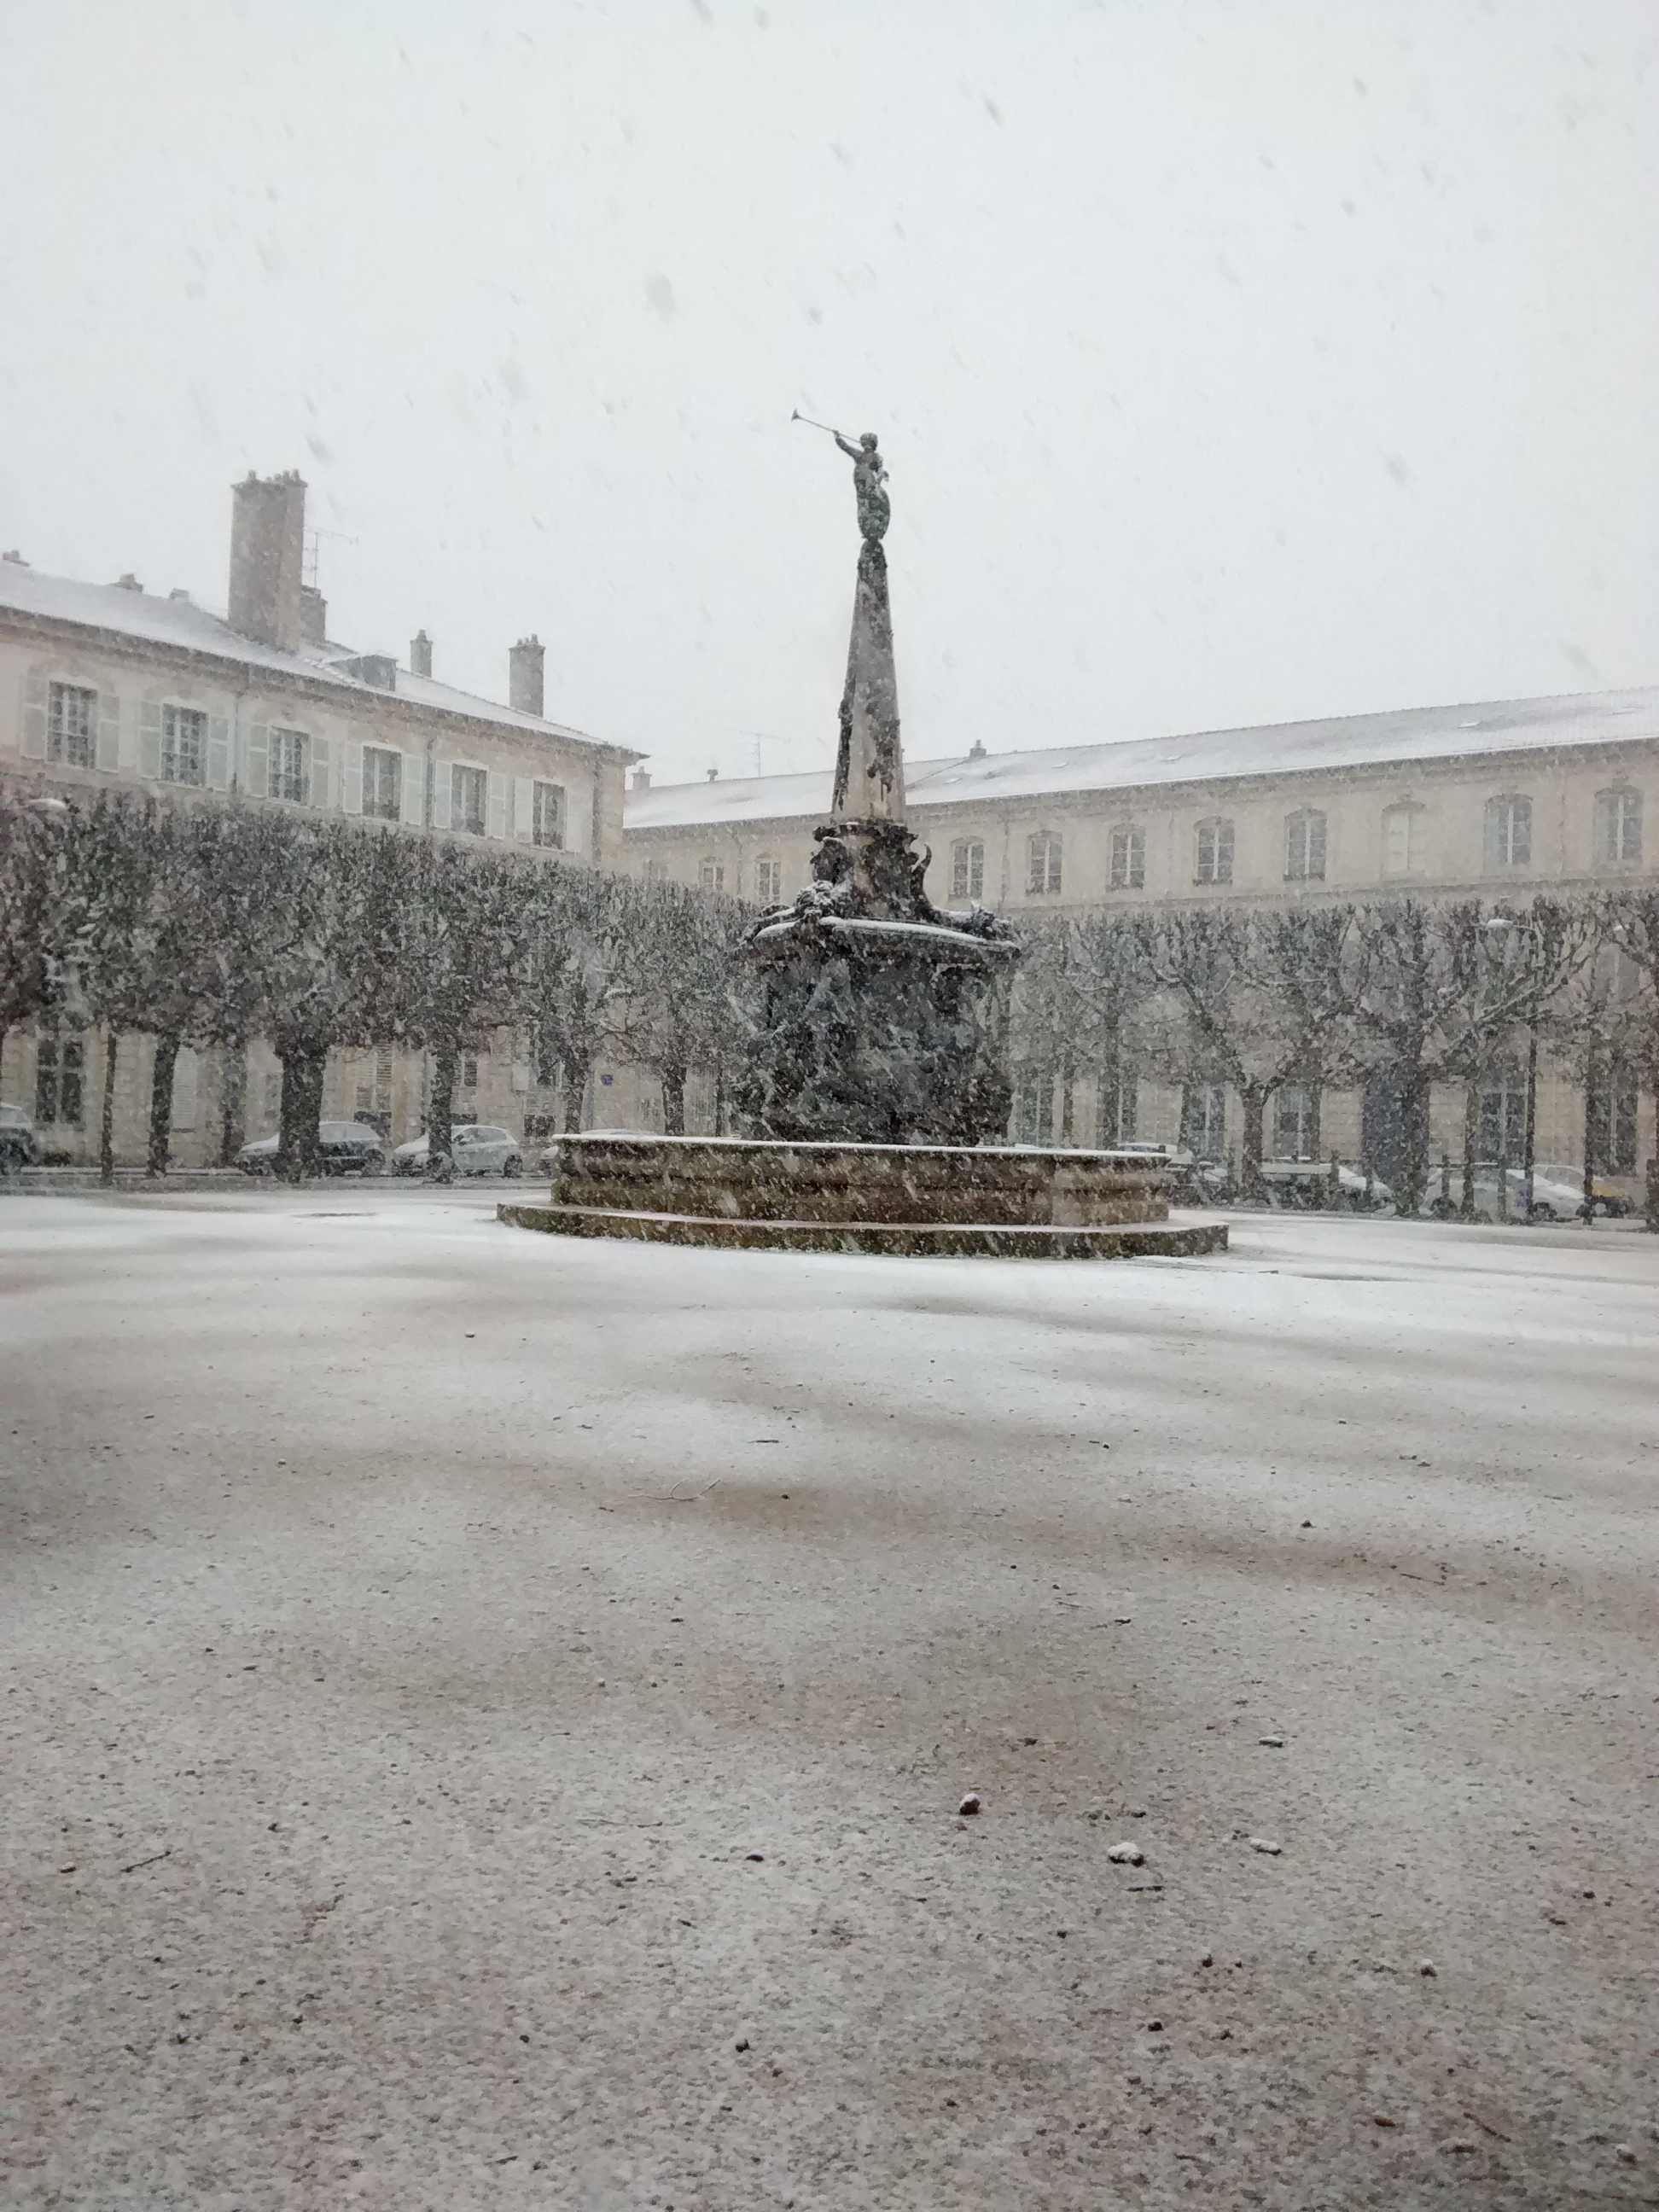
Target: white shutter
{"type": "Point", "coordinates": [149, 740]}
{"type": "Point", "coordinates": [414, 789]}
{"type": "Point", "coordinates": [186, 1071]}
{"type": "Point", "coordinates": [218, 753]}
{"type": "Point", "coordinates": [109, 732]}
{"type": "Point", "coordinates": [499, 786]}
{"type": "Point", "coordinates": [35, 694]}
{"type": "Point", "coordinates": [256, 777]}
{"type": "Point", "coordinates": [521, 1075]}
{"type": "Point", "coordinates": [442, 779]}
{"type": "Point", "coordinates": [351, 777]}
{"type": "Point", "coordinates": [524, 809]}
{"type": "Point", "coordinates": [320, 764]}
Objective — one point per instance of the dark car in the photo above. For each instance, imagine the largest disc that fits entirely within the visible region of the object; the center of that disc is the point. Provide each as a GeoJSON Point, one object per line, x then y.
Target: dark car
{"type": "Point", "coordinates": [345, 1148]}
{"type": "Point", "coordinates": [19, 1146]}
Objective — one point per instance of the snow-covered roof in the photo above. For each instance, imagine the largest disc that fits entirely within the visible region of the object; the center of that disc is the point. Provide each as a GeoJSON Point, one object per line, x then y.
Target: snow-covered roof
{"type": "Point", "coordinates": [1411, 733]}
{"type": "Point", "coordinates": [121, 610]}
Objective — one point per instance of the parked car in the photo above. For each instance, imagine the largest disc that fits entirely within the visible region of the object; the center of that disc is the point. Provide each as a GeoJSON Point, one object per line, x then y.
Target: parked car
{"type": "Point", "coordinates": [1557, 1195]}
{"type": "Point", "coordinates": [19, 1146]}
{"type": "Point", "coordinates": [475, 1148]}
{"type": "Point", "coordinates": [346, 1148]}
{"type": "Point", "coordinates": [1306, 1184]}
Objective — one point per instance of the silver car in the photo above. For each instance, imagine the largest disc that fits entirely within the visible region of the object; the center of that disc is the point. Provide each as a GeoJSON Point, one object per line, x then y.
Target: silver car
{"type": "Point", "coordinates": [476, 1148]}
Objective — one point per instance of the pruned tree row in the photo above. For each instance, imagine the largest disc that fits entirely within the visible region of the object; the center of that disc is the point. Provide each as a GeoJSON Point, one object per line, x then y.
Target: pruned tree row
{"type": "Point", "coordinates": [218, 926]}
{"type": "Point", "coordinates": [1417, 993]}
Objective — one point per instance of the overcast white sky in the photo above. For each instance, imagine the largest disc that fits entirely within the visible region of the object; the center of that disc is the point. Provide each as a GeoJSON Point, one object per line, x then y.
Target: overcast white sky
{"type": "Point", "coordinates": [1233, 362]}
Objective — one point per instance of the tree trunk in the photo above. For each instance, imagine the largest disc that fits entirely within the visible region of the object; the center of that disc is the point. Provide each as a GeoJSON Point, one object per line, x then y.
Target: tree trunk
{"type": "Point", "coordinates": [1470, 1142]}
{"type": "Point", "coordinates": [1315, 1107]}
{"type": "Point", "coordinates": [1589, 1142]}
{"type": "Point", "coordinates": [673, 1101]}
{"type": "Point", "coordinates": [298, 1144]}
{"type": "Point", "coordinates": [441, 1110]}
{"type": "Point", "coordinates": [1066, 1087]}
{"type": "Point", "coordinates": [106, 1115]}
{"type": "Point", "coordinates": [233, 1134]}
{"type": "Point", "coordinates": [1253, 1100]}
{"type": "Point", "coordinates": [160, 1103]}
{"type": "Point", "coordinates": [1414, 1144]}
{"type": "Point", "coordinates": [575, 1082]}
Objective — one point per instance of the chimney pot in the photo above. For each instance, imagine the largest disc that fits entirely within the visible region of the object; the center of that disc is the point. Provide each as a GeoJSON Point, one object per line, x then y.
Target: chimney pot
{"type": "Point", "coordinates": [713, 773]}
{"type": "Point", "coordinates": [420, 654]}
{"type": "Point", "coordinates": [267, 553]}
{"type": "Point", "coordinates": [523, 677]}
{"type": "Point", "coordinates": [641, 778]}
{"type": "Point", "coordinates": [976, 751]}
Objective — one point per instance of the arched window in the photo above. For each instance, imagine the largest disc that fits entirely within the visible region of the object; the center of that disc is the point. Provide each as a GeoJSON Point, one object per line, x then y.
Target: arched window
{"type": "Point", "coordinates": [1508, 832]}
{"type": "Point", "coordinates": [1215, 852]}
{"type": "Point", "coordinates": [1617, 827]}
{"type": "Point", "coordinates": [1128, 857]}
{"type": "Point", "coordinates": [1304, 847]}
{"type": "Point", "coordinates": [968, 868]}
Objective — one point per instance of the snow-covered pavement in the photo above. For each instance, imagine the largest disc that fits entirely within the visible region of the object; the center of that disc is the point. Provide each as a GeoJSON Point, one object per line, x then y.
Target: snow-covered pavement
{"type": "Point", "coordinates": [486, 1716]}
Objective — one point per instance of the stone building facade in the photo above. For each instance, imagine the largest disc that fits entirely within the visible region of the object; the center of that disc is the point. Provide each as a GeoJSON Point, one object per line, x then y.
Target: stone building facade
{"type": "Point", "coordinates": [1500, 801]}
{"type": "Point", "coordinates": [109, 685]}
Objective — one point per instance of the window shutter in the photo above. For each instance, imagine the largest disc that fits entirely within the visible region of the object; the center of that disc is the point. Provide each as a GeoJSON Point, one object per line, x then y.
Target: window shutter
{"type": "Point", "coordinates": [521, 1075]}
{"type": "Point", "coordinates": [149, 740]}
{"type": "Point", "coordinates": [524, 810]}
{"type": "Point", "coordinates": [218, 753]}
{"type": "Point", "coordinates": [414, 807]}
{"type": "Point", "coordinates": [109, 732]}
{"type": "Point", "coordinates": [499, 786]}
{"type": "Point", "coordinates": [257, 780]}
{"type": "Point", "coordinates": [443, 777]}
{"type": "Point", "coordinates": [35, 694]}
{"type": "Point", "coordinates": [320, 764]}
{"type": "Point", "coordinates": [1316, 846]}
{"type": "Point", "coordinates": [351, 777]}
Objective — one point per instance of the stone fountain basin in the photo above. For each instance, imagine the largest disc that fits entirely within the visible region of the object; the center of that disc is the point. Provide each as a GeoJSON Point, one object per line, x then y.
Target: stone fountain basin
{"type": "Point", "coordinates": [1002, 1199]}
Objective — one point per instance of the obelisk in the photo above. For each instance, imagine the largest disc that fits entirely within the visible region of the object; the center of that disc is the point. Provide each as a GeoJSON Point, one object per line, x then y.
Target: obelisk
{"type": "Point", "coordinates": [870, 766]}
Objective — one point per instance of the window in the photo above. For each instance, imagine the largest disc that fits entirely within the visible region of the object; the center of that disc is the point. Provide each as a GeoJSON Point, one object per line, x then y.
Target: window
{"type": "Point", "coordinates": [1294, 1131]}
{"type": "Point", "coordinates": [1618, 825]}
{"type": "Point", "coordinates": [59, 1070]}
{"type": "Point", "coordinates": [968, 868]}
{"type": "Point", "coordinates": [72, 725]}
{"type": "Point", "coordinates": [1115, 1121]}
{"type": "Point", "coordinates": [1204, 1120]}
{"type": "Point", "coordinates": [383, 783]}
{"type": "Point", "coordinates": [468, 1071]}
{"type": "Point", "coordinates": [1042, 868]}
{"type": "Point", "coordinates": [1402, 840]}
{"type": "Point", "coordinates": [184, 745]}
{"type": "Point", "coordinates": [1611, 1105]}
{"type": "Point", "coordinates": [769, 882]}
{"type": "Point", "coordinates": [1128, 859]}
{"type": "Point", "coordinates": [712, 876]}
{"type": "Point", "coordinates": [1504, 1112]}
{"type": "Point", "coordinates": [290, 766]}
{"type": "Point", "coordinates": [1304, 847]}
{"type": "Point", "coordinates": [1034, 1106]}
{"type": "Point", "coordinates": [652, 871]}
{"type": "Point", "coordinates": [547, 816]}
{"type": "Point", "coordinates": [1508, 833]}
{"type": "Point", "coordinates": [469, 800]}
{"type": "Point", "coordinates": [1215, 852]}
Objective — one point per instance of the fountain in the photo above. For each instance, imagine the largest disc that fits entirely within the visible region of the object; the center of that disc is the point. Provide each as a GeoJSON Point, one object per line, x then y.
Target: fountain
{"type": "Point", "coordinates": [876, 1083]}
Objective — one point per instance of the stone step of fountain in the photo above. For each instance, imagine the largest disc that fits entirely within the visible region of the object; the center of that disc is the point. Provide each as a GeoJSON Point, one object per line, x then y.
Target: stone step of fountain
{"type": "Point", "coordinates": [956, 1239]}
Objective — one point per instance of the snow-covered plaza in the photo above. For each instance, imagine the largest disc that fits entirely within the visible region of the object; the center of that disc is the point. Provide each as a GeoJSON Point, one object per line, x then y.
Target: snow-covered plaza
{"type": "Point", "coordinates": [487, 1716]}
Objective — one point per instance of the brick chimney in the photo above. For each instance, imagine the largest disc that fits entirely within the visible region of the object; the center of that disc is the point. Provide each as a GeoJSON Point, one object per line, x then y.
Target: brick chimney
{"type": "Point", "coordinates": [313, 614]}
{"type": "Point", "coordinates": [641, 778]}
{"type": "Point", "coordinates": [420, 654]}
{"type": "Point", "coordinates": [267, 549]}
{"type": "Point", "coordinates": [523, 677]}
